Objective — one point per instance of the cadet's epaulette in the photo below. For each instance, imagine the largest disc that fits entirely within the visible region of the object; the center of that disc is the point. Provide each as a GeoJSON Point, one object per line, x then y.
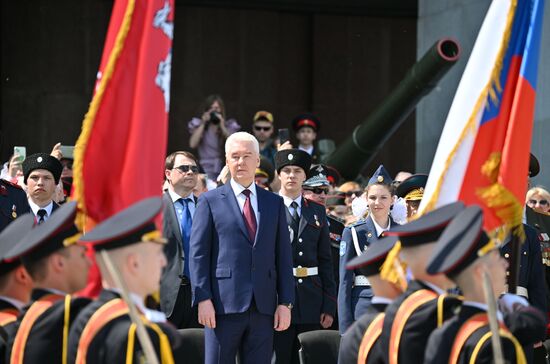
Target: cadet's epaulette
{"type": "Point", "coordinates": [357, 223]}
{"type": "Point", "coordinates": [11, 184]}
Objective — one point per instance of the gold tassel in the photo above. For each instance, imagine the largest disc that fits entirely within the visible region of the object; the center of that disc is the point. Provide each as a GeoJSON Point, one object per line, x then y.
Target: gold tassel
{"type": "Point", "coordinates": [393, 270]}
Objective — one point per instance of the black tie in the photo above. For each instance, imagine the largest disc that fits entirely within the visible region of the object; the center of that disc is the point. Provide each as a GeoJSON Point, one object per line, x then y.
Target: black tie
{"type": "Point", "coordinates": [295, 215]}
{"type": "Point", "coordinates": [41, 214]}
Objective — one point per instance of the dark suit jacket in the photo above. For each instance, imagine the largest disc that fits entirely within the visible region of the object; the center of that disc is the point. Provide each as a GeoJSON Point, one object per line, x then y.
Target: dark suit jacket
{"type": "Point", "coordinates": [13, 203]}
{"type": "Point", "coordinates": [171, 275]}
{"type": "Point", "coordinates": [230, 269]}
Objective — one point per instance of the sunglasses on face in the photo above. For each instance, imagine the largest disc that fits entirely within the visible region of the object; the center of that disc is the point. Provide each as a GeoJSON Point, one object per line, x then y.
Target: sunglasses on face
{"type": "Point", "coordinates": [540, 202]}
{"type": "Point", "coordinates": [262, 128]}
{"type": "Point", "coordinates": [184, 168]}
{"type": "Point", "coordinates": [318, 190]}
{"type": "Point", "coordinates": [356, 193]}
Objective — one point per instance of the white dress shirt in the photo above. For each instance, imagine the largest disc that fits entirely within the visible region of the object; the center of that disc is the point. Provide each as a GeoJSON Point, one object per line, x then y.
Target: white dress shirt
{"type": "Point", "coordinates": [241, 198]}
{"type": "Point", "coordinates": [48, 208]}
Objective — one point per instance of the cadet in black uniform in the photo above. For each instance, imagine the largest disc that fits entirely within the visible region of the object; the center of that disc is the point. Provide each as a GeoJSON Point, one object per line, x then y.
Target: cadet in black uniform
{"type": "Point", "coordinates": [314, 282]}
{"type": "Point", "coordinates": [104, 332]}
{"type": "Point", "coordinates": [361, 339]}
{"type": "Point", "coordinates": [15, 282]}
{"type": "Point", "coordinates": [13, 202]}
{"type": "Point", "coordinates": [354, 292]}
{"type": "Point", "coordinates": [306, 126]}
{"type": "Point", "coordinates": [58, 267]}
{"type": "Point", "coordinates": [411, 318]}
{"type": "Point", "coordinates": [464, 253]}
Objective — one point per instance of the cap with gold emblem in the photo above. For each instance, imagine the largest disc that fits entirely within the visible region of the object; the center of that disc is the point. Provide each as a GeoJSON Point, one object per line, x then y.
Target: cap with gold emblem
{"type": "Point", "coordinates": [412, 188]}
{"type": "Point", "coordinates": [292, 157]}
{"type": "Point", "coordinates": [381, 176]}
{"type": "Point", "coordinates": [132, 225]}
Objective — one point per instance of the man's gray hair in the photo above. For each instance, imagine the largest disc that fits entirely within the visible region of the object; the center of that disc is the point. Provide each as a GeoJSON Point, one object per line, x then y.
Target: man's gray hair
{"type": "Point", "coordinates": [241, 136]}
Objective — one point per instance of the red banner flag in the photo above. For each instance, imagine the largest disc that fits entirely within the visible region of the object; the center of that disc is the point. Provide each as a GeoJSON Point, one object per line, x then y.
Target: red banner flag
{"type": "Point", "coordinates": [119, 155]}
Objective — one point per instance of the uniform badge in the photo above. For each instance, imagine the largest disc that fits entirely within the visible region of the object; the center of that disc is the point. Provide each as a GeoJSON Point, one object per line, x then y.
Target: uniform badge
{"type": "Point", "coordinates": [39, 159]}
{"type": "Point", "coordinates": [14, 211]}
{"type": "Point", "coordinates": [369, 235]}
{"type": "Point", "coordinates": [380, 179]}
{"type": "Point", "coordinates": [316, 220]}
{"type": "Point", "coordinates": [291, 232]}
{"type": "Point", "coordinates": [342, 248]}
{"type": "Point", "coordinates": [290, 157]}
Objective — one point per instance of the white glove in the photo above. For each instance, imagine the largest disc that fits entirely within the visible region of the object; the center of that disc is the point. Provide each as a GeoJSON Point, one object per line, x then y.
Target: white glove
{"type": "Point", "coordinates": [509, 302]}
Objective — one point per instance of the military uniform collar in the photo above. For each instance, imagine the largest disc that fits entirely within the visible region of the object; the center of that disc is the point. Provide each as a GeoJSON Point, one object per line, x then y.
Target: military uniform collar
{"type": "Point", "coordinates": [12, 301]}
{"type": "Point", "coordinates": [482, 307]}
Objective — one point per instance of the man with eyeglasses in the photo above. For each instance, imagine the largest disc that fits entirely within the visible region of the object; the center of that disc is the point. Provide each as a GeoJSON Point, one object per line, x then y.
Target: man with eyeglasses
{"type": "Point", "coordinates": [263, 130]}
{"type": "Point", "coordinates": [179, 207]}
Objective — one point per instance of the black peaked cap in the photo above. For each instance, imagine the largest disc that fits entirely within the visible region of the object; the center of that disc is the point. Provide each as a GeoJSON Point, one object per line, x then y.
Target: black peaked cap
{"type": "Point", "coordinates": [413, 182]}
{"type": "Point", "coordinates": [460, 243]}
{"type": "Point", "coordinates": [370, 262]}
{"type": "Point", "coordinates": [427, 228]}
{"type": "Point", "coordinates": [127, 227]}
{"type": "Point", "coordinates": [10, 236]}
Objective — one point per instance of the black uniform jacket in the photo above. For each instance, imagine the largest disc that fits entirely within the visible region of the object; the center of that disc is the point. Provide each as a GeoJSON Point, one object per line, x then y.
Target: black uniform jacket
{"type": "Point", "coordinates": [13, 203]}
{"type": "Point", "coordinates": [418, 327]}
{"type": "Point", "coordinates": [440, 344]}
{"type": "Point", "coordinates": [314, 294]}
{"type": "Point", "coordinates": [110, 344]}
{"type": "Point", "coordinates": [351, 341]}
{"type": "Point", "coordinates": [46, 336]}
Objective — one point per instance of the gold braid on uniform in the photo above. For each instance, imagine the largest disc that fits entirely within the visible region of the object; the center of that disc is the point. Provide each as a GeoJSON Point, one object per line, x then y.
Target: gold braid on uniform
{"type": "Point", "coordinates": [520, 355]}
{"type": "Point", "coordinates": [166, 356]}
{"type": "Point", "coordinates": [415, 194]}
{"type": "Point", "coordinates": [66, 322]}
{"type": "Point", "coordinates": [393, 269]}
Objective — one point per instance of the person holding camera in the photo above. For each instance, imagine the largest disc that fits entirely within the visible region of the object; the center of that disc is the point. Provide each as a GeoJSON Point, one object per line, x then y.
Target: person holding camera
{"type": "Point", "coordinates": [209, 132]}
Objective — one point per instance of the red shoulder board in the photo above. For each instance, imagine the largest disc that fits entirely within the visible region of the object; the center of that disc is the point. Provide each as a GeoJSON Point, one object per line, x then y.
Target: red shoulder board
{"type": "Point", "coordinates": [12, 184]}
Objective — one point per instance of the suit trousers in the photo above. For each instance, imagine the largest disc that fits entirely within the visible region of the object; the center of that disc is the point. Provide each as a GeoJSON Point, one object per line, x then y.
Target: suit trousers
{"type": "Point", "coordinates": [286, 345]}
{"type": "Point", "coordinates": [184, 316]}
{"type": "Point", "coordinates": [249, 334]}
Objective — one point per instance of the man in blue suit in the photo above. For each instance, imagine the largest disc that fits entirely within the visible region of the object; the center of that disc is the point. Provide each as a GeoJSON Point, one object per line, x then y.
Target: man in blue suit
{"type": "Point", "coordinates": [241, 262]}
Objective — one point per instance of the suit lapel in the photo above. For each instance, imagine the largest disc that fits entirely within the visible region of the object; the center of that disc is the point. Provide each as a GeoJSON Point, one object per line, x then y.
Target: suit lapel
{"type": "Point", "coordinates": [305, 217]}
{"type": "Point", "coordinates": [172, 217]}
{"type": "Point", "coordinates": [261, 196]}
{"type": "Point", "coordinates": [231, 200]}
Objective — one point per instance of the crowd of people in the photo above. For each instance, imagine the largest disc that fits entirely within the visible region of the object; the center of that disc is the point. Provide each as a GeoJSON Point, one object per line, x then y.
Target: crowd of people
{"type": "Point", "coordinates": [260, 243]}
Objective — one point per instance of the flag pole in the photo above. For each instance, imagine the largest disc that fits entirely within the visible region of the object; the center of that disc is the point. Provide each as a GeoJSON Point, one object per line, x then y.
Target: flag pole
{"type": "Point", "coordinates": [493, 322]}
{"type": "Point", "coordinates": [142, 335]}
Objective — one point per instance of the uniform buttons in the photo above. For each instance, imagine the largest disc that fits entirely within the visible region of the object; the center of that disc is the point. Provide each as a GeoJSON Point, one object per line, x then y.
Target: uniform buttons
{"type": "Point", "coordinates": [300, 253]}
{"type": "Point", "coordinates": [507, 273]}
{"type": "Point", "coordinates": [506, 255]}
{"type": "Point", "coordinates": [300, 280]}
{"type": "Point", "coordinates": [524, 253]}
{"type": "Point", "coordinates": [299, 240]}
{"type": "Point", "coordinates": [299, 266]}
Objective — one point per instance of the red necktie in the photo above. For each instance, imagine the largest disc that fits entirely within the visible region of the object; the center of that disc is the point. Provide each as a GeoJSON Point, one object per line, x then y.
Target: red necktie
{"type": "Point", "coordinates": [249, 217]}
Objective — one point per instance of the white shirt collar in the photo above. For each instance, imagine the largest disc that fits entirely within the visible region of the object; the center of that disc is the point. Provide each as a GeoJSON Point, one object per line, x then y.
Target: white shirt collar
{"type": "Point", "coordinates": [35, 208]}
{"type": "Point", "coordinates": [483, 307]}
{"type": "Point", "coordinates": [288, 201]}
{"type": "Point", "coordinates": [238, 189]}
{"type": "Point", "coordinates": [379, 229]}
{"type": "Point", "coordinates": [435, 288]}
{"type": "Point", "coordinates": [174, 196]}
{"type": "Point", "coordinates": [309, 149]}
{"type": "Point", "coordinates": [18, 304]}
{"type": "Point", "coordinates": [151, 315]}
{"type": "Point", "coordinates": [381, 300]}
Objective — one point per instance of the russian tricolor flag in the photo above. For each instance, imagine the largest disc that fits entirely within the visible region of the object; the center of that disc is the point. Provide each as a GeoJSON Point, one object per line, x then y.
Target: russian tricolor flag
{"type": "Point", "coordinates": [483, 154]}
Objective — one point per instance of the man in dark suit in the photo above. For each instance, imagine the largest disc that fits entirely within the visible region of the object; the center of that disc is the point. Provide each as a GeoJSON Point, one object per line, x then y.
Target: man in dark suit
{"type": "Point", "coordinates": [241, 262]}
{"type": "Point", "coordinates": [41, 175]}
{"type": "Point", "coordinates": [315, 289]}
{"type": "Point", "coordinates": [13, 202]}
{"type": "Point", "coordinates": [179, 206]}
